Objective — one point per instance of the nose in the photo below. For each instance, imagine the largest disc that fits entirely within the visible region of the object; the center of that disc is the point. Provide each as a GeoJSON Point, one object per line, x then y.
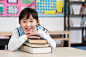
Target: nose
{"type": "Point", "coordinates": [28, 24]}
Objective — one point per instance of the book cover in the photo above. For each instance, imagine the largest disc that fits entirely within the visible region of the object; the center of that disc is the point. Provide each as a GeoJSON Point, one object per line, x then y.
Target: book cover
{"type": "Point", "coordinates": [82, 11]}
{"type": "Point", "coordinates": [71, 9]}
{"type": "Point", "coordinates": [36, 50]}
{"type": "Point", "coordinates": [70, 22]}
{"type": "Point", "coordinates": [82, 24]}
{"type": "Point", "coordinates": [76, 21]}
{"type": "Point", "coordinates": [31, 40]}
{"type": "Point", "coordinates": [85, 22]}
{"type": "Point", "coordinates": [76, 8]}
{"type": "Point", "coordinates": [36, 45]}
{"type": "Point", "coordinates": [66, 8]}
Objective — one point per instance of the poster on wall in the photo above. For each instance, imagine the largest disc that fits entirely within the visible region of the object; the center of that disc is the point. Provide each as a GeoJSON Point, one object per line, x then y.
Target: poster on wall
{"type": "Point", "coordinates": [50, 7]}
{"type": "Point", "coordinates": [13, 8]}
{"type": "Point", "coordinates": [1, 8]}
{"type": "Point", "coordinates": [12, 1]}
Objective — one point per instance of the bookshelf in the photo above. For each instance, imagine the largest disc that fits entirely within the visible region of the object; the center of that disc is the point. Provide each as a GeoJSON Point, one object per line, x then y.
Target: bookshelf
{"type": "Point", "coordinates": [68, 15]}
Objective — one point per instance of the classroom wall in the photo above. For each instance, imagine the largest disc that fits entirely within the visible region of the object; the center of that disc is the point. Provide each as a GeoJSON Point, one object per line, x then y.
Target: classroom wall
{"type": "Point", "coordinates": [51, 23]}
{"type": "Point", "coordinates": [8, 24]}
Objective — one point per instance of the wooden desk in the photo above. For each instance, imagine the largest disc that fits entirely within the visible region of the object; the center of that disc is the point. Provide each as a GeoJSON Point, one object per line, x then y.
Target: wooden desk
{"type": "Point", "coordinates": [5, 33]}
{"type": "Point", "coordinates": [61, 38]}
{"type": "Point", "coordinates": [57, 52]}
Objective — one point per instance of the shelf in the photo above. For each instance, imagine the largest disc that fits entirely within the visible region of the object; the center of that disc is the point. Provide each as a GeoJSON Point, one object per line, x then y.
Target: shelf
{"type": "Point", "coordinates": [68, 16]}
{"type": "Point", "coordinates": [76, 27]}
{"type": "Point", "coordinates": [77, 15]}
{"type": "Point", "coordinates": [77, 2]}
{"type": "Point", "coordinates": [78, 44]}
{"type": "Point", "coordinates": [74, 15]}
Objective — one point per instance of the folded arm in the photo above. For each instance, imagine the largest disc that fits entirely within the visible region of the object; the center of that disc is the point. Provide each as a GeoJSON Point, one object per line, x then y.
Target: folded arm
{"type": "Point", "coordinates": [46, 36]}
{"type": "Point", "coordinates": [16, 41]}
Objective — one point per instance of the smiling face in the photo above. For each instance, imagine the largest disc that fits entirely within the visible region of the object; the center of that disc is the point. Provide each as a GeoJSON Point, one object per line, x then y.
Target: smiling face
{"type": "Point", "coordinates": [28, 24]}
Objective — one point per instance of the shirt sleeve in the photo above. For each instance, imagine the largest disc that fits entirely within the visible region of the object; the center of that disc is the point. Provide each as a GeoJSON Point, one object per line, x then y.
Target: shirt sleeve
{"type": "Point", "coordinates": [16, 41]}
{"type": "Point", "coordinates": [46, 36]}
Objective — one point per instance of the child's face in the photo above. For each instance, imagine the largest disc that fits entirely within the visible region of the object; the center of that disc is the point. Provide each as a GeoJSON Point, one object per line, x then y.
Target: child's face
{"type": "Point", "coordinates": [28, 24]}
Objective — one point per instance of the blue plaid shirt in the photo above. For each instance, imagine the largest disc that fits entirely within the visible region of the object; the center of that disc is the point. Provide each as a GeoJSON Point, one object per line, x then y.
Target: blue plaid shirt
{"type": "Point", "coordinates": [21, 31]}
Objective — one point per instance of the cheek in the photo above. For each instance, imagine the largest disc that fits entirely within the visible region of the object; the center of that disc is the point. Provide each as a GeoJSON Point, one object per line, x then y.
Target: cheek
{"type": "Point", "coordinates": [33, 25]}
{"type": "Point", "coordinates": [23, 25]}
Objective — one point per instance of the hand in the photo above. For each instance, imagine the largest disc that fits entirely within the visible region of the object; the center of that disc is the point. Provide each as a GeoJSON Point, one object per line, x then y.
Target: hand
{"type": "Point", "coordinates": [32, 34]}
{"type": "Point", "coordinates": [35, 37]}
{"type": "Point", "coordinates": [27, 34]}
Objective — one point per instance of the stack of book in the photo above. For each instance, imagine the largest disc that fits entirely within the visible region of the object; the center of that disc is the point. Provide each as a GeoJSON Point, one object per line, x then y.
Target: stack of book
{"type": "Point", "coordinates": [36, 46]}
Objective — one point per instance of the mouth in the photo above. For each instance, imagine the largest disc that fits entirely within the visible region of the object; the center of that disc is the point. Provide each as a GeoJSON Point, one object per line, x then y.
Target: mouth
{"type": "Point", "coordinates": [28, 29]}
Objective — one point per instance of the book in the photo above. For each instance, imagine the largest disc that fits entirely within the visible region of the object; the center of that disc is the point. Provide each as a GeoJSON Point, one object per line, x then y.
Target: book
{"type": "Point", "coordinates": [75, 23]}
{"type": "Point", "coordinates": [82, 24]}
{"type": "Point", "coordinates": [82, 10]}
{"type": "Point", "coordinates": [85, 22]}
{"type": "Point", "coordinates": [66, 8]}
{"type": "Point", "coordinates": [76, 36]}
{"type": "Point", "coordinates": [37, 40]}
{"type": "Point", "coordinates": [76, 8]}
{"type": "Point", "coordinates": [70, 22]}
{"type": "Point", "coordinates": [71, 9]}
{"type": "Point", "coordinates": [36, 45]}
{"type": "Point", "coordinates": [36, 50]}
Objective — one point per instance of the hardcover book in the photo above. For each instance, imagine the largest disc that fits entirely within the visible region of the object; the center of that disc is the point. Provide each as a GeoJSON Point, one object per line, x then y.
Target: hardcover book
{"type": "Point", "coordinates": [37, 40]}
{"type": "Point", "coordinates": [36, 50]}
{"type": "Point", "coordinates": [36, 45]}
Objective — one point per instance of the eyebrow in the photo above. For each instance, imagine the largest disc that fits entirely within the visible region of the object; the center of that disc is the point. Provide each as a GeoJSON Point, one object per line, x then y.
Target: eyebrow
{"type": "Point", "coordinates": [24, 19]}
{"type": "Point", "coordinates": [31, 19]}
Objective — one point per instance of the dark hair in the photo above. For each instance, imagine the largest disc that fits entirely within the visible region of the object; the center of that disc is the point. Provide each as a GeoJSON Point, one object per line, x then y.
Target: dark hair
{"type": "Point", "coordinates": [27, 12]}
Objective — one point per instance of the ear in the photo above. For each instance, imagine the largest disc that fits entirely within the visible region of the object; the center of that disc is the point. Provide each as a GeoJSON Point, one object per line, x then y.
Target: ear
{"type": "Point", "coordinates": [38, 21]}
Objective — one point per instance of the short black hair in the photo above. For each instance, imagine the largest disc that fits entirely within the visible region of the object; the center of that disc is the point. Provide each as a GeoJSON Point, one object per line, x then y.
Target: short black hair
{"type": "Point", "coordinates": [27, 12]}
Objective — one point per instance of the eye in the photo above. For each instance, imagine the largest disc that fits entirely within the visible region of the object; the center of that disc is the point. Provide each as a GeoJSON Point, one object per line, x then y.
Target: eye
{"type": "Point", "coordinates": [31, 21]}
{"type": "Point", "coordinates": [24, 21]}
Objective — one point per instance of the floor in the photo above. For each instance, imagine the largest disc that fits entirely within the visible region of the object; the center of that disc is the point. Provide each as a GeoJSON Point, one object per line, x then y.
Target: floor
{"type": "Point", "coordinates": [81, 47]}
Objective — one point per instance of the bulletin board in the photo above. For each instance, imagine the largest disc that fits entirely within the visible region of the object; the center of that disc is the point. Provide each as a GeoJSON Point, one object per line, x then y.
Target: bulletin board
{"type": "Point", "coordinates": [13, 7]}
{"type": "Point", "coordinates": [50, 7]}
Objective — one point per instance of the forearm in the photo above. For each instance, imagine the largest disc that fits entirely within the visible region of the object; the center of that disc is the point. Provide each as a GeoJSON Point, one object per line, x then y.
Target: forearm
{"type": "Point", "coordinates": [47, 37]}
{"type": "Point", "coordinates": [50, 41]}
{"type": "Point", "coordinates": [16, 41]}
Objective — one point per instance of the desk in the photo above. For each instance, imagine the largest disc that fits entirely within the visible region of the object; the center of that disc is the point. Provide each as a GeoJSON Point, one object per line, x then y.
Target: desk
{"type": "Point", "coordinates": [57, 52]}
{"type": "Point", "coordinates": [5, 33]}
